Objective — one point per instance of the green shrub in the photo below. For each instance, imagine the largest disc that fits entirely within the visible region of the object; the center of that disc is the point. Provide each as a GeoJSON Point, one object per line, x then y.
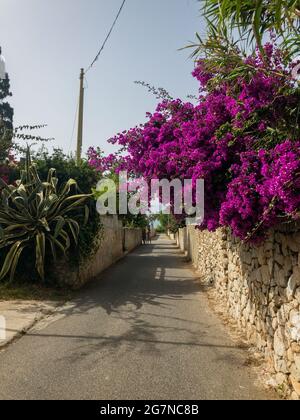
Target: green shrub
{"type": "Point", "coordinates": [134, 220]}
{"type": "Point", "coordinates": [85, 176]}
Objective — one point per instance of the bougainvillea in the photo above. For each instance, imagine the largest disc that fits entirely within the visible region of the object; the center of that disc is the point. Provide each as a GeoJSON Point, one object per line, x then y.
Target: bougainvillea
{"type": "Point", "coordinates": [265, 189]}
{"type": "Point", "coordinates": [241, 138]}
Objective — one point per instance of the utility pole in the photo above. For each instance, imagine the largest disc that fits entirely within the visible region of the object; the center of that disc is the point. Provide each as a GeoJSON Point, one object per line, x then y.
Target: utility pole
{"type": "Point", "coordinates": [2, 77]}
{"type": "Point", "coordinates": [80, 119]}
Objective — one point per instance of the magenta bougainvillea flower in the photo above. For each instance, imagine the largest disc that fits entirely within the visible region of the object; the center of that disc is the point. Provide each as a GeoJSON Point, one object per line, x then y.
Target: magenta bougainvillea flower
{"type": "Point", "coordinates": [239, 138]}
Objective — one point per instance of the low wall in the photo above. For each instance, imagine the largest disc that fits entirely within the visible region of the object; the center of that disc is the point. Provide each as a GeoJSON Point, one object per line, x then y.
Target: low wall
{"type": "Point", "coordinates": [115, 242]}
{"type": "Point", "coordinates": [259, 287]}
{"type": "Point", "coordinates": [132, 238]}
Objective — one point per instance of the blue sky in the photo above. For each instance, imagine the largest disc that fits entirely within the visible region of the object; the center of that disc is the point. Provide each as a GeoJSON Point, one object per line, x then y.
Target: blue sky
{"type": "Point", "coordinates": [46, 42]}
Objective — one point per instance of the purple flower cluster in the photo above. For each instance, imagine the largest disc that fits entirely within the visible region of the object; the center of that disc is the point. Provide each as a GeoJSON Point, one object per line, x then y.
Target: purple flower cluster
{"type": "Point", "coordinates": [235, 139]}
{"type": "Point", "coordinates": [102, 163]}
{"type": "Point", "coordinates": [264, 190]}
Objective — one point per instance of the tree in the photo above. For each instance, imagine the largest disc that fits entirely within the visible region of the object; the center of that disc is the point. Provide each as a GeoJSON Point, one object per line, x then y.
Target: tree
{"type": "Point", "coordinates": [251, 20]}
{"type": "Point", "coordinates": [6, 117]}
{"type": "Point", "coordinates": [9, 136]}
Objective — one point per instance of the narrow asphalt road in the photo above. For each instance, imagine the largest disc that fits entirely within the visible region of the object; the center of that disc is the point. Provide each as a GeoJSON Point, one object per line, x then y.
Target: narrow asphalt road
{"type": "Point", "coordinates": [144, 330]}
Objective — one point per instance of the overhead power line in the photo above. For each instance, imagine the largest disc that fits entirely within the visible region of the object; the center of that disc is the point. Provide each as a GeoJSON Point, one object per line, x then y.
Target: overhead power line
{"type": "Point", "coordinates": [81, 94]}
{"type": "Point", "coordinates": [107, 37]}
{"type": "Point", "coordinates": [74, 126]}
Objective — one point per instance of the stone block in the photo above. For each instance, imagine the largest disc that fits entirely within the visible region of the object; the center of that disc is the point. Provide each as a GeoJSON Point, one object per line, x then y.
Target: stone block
{"type": "Point", "coordinates": [295, 373]}
{"type": "Point", "coordinates": [291, 288]}
{"type": "Point", "coordinates": [281, 365]}
{"type": "Point", "coordinates": [295, 384]}
{"type": "Point", "coordinates": [280, 346]}
{"type": "Point", "coordinates": [265, 275]}
{"type": "Point", "coordinates": [295, 347]}
{"type": "Point", "coordinates": [279, 276]}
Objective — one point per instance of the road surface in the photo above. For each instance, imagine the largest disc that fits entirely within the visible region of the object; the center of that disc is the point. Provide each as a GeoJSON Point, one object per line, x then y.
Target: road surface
{"type": "Point", "coordinates": [143, 330]}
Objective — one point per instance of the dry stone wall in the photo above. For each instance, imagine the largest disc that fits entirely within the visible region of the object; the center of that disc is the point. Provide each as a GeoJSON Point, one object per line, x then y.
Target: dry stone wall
{"type": "Point", "coordinates": [260, 288]}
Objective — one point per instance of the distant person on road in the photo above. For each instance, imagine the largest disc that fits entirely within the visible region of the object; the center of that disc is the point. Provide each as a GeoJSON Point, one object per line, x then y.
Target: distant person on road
{"type": "Point", "coordinates": [144, 236]}
{"type": "Point", "coordinates": [149, 235]}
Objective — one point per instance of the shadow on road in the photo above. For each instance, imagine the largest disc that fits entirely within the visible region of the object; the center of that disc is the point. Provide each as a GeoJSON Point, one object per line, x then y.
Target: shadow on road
{"type": "Point", "coordinates": [142, 291]}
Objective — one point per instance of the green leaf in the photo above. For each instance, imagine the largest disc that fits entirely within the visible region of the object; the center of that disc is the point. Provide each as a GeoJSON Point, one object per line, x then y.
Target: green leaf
{"type": "Point", "coordinates": [15, 262]}
{"type": "Point", "coordinates": [9, 259]}
{"type": "Point", "coordinates": [52, 246]}
{"type": "Point", "coordinates": [40, 254]}
{"type": "Point", "coordinates": [59, 226]}
{"type": "Point", "coordinates": [278, 15]}
{"type": "Point", "coordinates": [86, 215]}
{"type": "Point", "coordinates": [257, 24]}
{"type": "Point", "coordinates": [74, 228]}
{"type": "Point", "coordinates": [2, 233]}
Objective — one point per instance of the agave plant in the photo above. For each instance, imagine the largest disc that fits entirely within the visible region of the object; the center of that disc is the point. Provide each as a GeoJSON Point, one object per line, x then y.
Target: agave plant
{"type": "Point", "coordinates": [37, 215]}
